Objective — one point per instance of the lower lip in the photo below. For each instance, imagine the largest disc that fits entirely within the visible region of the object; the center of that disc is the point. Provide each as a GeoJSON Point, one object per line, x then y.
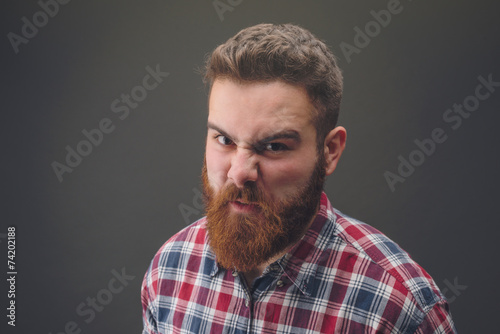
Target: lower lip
{"type": "Point", "coordinates": [244, 208]}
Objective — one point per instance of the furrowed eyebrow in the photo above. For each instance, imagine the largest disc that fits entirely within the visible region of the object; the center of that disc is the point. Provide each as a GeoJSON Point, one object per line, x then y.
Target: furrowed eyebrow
{"type": "Point", "coordinates": [216, 128]}
{"type": "Point", "coordinates": [286, 134]}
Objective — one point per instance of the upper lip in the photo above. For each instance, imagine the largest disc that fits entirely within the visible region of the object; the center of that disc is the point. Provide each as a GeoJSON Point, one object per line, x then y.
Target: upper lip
{"type": "Point", "coordinates": [244, 202]}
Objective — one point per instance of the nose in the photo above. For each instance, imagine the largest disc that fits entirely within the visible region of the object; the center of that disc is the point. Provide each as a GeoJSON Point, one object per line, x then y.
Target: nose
{"type": "Point", "coordinates": [244, 167]}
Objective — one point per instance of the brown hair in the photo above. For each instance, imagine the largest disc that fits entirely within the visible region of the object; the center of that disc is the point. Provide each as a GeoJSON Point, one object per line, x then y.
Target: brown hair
{"type": "Point", "coordinates": [287, 52]}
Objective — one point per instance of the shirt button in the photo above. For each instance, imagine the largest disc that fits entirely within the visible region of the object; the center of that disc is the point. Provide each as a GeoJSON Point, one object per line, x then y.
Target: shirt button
{"type": "Point", "coordinates": [235, 273]}
{"type": "Point", "coordinates": [246, 302]}
{"type": "Point", "coordinates": [280, 284]}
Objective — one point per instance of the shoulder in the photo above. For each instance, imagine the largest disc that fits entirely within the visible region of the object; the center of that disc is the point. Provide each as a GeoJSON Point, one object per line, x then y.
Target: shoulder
{"type": "Point", "coordinates": [194, 233]}
{"type": "Point", "coordinates": [186, 248]}
{"type": "Point", "coordinates": [178, 256]}
{"type": "Point", "coordinates": [386, 255]}
{"type": "Point", "coordinates": [185, 243]}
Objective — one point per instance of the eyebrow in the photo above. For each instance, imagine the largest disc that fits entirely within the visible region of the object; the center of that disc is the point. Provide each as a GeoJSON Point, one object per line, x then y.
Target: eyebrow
{"type": "Point", "coordinates": [285, 134]}
{"type": "Point", "coordinates": [212, 126]}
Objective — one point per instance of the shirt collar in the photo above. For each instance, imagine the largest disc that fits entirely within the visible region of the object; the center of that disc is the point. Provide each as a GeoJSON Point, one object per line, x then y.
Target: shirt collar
{"type": "Point", "coordinates": [301, 262]}
{"type": "Point", "coordinates": [215, 268]}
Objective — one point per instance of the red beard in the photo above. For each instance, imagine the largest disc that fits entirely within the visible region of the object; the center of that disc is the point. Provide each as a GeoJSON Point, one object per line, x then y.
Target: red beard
{"type": "Point", "coordinates": [245, 241]}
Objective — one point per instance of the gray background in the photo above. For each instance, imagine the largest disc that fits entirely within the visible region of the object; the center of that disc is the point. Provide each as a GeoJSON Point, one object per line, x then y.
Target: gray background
{"type": "Point", "coordinates": [125, 198]}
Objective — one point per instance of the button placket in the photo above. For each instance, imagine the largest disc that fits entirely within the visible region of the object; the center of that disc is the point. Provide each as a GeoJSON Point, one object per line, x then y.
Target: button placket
{"type": "Point", "coordinates": [245, 289]}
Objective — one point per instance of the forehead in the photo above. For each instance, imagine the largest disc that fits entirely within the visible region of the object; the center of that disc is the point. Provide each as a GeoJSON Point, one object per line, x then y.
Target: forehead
{"type": "Point", "coordinates": [249, 110]}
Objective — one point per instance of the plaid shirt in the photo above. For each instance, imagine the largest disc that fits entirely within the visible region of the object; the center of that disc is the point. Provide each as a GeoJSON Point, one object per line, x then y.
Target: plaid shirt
{"type": "Point", "coordinates": [343, 276]}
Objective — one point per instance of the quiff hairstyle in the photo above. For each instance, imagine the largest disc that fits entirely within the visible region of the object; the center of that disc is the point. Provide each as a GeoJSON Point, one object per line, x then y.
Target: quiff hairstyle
{"type": "Point", "coordinates": [286, 52]}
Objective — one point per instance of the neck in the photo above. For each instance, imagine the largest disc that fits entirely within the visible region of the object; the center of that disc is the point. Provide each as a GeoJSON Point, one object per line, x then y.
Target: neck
{"type": "Point", "coordinates": [253, 274]}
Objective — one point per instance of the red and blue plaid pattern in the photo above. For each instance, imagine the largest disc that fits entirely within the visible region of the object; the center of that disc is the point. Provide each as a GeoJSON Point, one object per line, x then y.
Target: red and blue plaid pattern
{"type": "Point", "coordinates": [342, 277]}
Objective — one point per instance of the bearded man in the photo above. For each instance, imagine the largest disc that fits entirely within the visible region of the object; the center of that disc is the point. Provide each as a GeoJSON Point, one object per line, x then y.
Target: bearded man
{"type": "Point", "coordinates": [272, 255]}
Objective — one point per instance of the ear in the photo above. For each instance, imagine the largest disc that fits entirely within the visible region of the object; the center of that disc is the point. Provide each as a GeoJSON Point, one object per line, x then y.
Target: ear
{"type": "Point", "coordinates": [333, 147]}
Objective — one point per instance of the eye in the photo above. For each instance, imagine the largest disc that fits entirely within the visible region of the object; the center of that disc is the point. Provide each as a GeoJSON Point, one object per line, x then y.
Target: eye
{"type": "Point", "coordinates": [275, 147]}
{"type": "Point", "coordinates": [223, 140]}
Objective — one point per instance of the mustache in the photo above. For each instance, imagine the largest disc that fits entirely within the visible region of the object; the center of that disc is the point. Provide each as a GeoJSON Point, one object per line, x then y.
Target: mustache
{"type": "Point", "coordinates": [250, 193]}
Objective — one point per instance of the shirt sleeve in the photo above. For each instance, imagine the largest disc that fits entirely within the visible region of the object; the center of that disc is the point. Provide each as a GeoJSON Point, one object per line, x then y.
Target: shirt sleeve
{"type": "Point", "coordinates": [148, 296]}
{"type": "Point", "coordinates": [437, 321]}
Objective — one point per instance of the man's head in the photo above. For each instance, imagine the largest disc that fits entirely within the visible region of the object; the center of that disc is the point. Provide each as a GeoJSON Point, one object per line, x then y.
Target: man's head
{"type": "Point", "coordinates": [266, 154]}
{"type": "Point", "coordinates": [285, 52]}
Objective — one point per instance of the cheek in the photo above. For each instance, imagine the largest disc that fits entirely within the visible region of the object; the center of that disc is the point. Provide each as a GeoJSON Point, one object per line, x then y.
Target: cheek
{"type": "Point", "coordinates": [285, 177]}
{"type": "Point", "coordinates": [217, 167]}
